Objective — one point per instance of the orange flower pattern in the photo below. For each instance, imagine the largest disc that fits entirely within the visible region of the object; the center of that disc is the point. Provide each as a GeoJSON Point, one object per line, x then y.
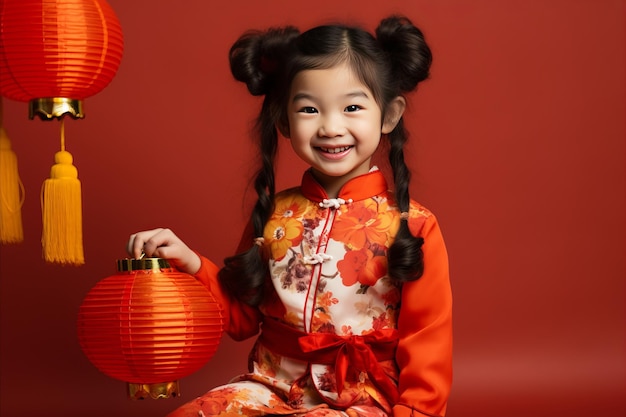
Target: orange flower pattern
{"type": "Point", "coordinates": [365, 222]}
{"type": "Point", "coordinates": [281, 234]}
{"type": "Point", "coordinates": [362, 266]}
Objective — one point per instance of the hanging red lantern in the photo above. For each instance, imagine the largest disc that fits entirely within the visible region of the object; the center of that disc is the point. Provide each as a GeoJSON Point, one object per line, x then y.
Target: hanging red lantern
{"type": "Point", "coordinates": [149, 325]}
{"type": "Point", "coordinates": [55, 53]}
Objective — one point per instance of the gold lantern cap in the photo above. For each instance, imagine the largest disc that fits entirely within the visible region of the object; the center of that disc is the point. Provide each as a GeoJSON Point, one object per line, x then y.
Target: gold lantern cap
{"type": "Point", "coordinates": [55, 107]}
{"type": "Point", "coordinates": [154, 391]}
{"type": "Point", "coordinates": [142, 264]}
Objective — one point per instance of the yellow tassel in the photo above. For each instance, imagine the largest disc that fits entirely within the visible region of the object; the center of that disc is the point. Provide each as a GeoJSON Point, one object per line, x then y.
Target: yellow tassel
{"type": "Point", "coordinates": [11, 193]}
{"type": "Point", "coordinates": [62, 235]}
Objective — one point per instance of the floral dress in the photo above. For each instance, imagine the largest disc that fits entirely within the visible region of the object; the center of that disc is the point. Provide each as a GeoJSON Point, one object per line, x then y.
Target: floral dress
{"type": "Point", "coordinates": [339, 337]}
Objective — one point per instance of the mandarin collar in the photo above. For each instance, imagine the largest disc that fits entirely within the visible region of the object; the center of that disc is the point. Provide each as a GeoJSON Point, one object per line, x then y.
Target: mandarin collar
{"type": "Point", "coordinates": [358, 188]}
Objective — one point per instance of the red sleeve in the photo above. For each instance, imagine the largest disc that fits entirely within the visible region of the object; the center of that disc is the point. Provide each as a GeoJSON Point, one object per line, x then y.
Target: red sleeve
{"type": "Point", "coordinates": [424, 352]}
{"type": "Point", "coordinates": [241, 320]}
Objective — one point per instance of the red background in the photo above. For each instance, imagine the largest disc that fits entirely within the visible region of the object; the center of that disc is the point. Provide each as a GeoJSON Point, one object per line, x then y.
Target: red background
{"type": "Point", "coordinates": [517, 145]}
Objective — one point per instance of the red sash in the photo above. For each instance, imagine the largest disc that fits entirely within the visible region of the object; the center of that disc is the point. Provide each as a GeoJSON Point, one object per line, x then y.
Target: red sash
{"type": "Point", "coordinates": [362, 353]}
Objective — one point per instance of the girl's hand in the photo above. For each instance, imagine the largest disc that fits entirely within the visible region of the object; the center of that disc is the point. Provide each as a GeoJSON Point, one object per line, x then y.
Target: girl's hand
{"type": "Point", "coordinates": [163, 243]}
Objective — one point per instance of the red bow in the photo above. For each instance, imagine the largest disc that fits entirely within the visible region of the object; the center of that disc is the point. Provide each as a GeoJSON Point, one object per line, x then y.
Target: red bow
{"type": "Point", "coordinates": [362, 353]}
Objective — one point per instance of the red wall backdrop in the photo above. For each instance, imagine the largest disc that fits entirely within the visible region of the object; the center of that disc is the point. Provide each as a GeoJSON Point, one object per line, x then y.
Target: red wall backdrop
{"type": "Point", "coordinates": [517, 146]}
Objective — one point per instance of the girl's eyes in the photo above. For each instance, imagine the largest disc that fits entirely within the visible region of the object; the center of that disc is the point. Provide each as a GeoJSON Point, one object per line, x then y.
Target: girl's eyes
{"type": "Point", "coordinates": [311, 110]}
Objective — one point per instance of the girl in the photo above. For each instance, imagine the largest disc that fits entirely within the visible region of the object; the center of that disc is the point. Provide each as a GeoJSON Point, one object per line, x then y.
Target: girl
{"type": "Point", "coordinates": [346, 282]}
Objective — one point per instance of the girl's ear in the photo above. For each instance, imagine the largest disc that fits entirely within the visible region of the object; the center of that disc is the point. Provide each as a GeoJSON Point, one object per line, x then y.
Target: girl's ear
{"type": "Point", "coordinates": [395, 110]}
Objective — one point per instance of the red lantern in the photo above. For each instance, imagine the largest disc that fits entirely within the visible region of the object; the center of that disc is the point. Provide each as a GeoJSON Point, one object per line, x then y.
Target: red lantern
{"type": "Point", "coordinates": [149, 325]}
{"type": "Point", "coordinates": [55, 53]}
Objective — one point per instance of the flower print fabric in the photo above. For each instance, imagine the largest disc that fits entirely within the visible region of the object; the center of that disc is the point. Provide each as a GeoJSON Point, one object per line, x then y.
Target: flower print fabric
{"type": "Point", "coordinates": [284, 230]}
{"type": "Point", "coordinates": [328, 280]}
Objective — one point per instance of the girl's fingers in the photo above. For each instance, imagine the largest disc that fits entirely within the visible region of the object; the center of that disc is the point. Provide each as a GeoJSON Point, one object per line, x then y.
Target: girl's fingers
{"type": "Point", "coordinates": [163, 243]}
{"type": "Point", "coordinates": [130, 246]}
{"type": "Point", "coordinates": [147, 242]}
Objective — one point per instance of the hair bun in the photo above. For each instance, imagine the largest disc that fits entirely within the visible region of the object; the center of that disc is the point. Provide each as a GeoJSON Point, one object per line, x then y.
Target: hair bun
{"type": "Point", "coordinates": [256, 57]}
{"type": "Point", "coordinates": [408, 51]}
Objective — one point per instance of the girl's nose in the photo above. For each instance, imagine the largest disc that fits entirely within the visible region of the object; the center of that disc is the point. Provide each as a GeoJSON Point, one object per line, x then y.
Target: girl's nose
{"type": "Point", "coordinates": [331, 126]}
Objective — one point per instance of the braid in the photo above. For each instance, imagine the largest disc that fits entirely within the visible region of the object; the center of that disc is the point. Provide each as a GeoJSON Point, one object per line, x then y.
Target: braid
{"type": "Point", "coordinates": [401, 172]}
{"type": "Point", "coordinates": [264, 183]}
{"type": "Point", "coordinates": [243, 274]}
{"type": "Point", "coordinates": [404, 257]}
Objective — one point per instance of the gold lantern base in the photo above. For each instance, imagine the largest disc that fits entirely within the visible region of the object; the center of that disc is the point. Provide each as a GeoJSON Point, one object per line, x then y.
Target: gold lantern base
{"type": "Point", "coordinates": [154, 391]}
{"type": "Point", "coordinates": [55, 107]}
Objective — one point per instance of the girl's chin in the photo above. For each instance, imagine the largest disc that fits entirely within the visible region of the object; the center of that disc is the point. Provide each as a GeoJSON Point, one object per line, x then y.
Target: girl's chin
{"type": "Point", "coordinates": [336, 174]}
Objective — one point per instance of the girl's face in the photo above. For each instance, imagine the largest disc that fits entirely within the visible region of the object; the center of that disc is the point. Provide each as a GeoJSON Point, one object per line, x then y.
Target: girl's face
{"type": "Point", "coordinates": [335, 124]}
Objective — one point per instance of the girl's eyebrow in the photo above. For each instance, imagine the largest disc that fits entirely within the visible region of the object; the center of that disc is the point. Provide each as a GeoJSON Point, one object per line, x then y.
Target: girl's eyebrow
{"type": "Point", "coordinates": [305, 96]}
{"type": "Point", "coordinates": [302, 96]}
{"type": "Point", "coordinates": [358, 93]}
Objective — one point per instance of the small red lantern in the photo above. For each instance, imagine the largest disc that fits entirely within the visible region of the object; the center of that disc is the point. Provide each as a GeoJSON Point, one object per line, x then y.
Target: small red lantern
{"type": "Point", "coordinates": [149, 325]}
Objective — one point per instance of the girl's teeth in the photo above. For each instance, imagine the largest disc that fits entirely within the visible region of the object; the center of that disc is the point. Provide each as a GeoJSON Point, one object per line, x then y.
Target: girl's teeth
{"type": "Point", "coordinates": [335, 150]}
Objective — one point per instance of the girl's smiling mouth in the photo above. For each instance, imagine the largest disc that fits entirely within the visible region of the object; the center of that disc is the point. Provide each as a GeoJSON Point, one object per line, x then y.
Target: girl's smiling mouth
{"type": "Point", "coordinates": [337, 150]}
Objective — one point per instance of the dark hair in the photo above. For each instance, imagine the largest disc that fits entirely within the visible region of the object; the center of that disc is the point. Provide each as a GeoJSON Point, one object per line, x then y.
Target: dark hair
{"type": "Point", "coordinates": [391, 63]}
